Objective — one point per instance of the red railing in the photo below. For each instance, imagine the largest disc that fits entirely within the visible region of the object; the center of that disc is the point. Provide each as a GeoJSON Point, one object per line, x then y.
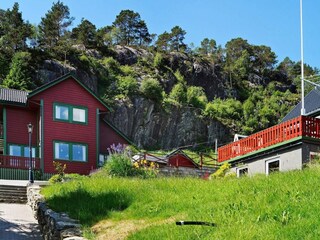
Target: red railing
{"type": "Point", "coordinates": [18, 162]}
{"type": "Point", "coordinates": [300, 126]}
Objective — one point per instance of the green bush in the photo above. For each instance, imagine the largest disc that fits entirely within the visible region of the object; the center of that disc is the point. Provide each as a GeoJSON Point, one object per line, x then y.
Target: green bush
{"type": "Point", "coordinates": [222, 171]}
{"type": "Point", "coordinates": [158, 61]}
{"type": "Point", "coordinates": [55, 179]}
{"type": "Point", "coordinates": [128, 70]}
{"type": "Point", "coordinates": [196, 97]}
{"type": "Point", "coordinates": [152, 89]}
{"type": "Point", "coordinates": [119, 165]}
{"type": "Point", "coordinates": [179, 93]}
{"type": "Point", "coordinates": [224, 109]}
{"type": "Point", "coordinates": [127, 85]}
{"type": "Point", "coordinates": [112, 65]}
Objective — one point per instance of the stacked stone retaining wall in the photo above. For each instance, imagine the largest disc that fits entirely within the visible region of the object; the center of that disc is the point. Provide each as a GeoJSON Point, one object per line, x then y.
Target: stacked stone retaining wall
{"type": "Point", "coordinates": [53, 225]}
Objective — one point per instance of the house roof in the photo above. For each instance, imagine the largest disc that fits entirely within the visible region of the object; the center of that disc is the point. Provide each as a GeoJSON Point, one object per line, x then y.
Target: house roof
{"type": "Point", "coordinates": [13, 96]}
{"type": "Point", "coordinates": [62, 78]}
{"type": "Point", "coordinates": [311, 105]}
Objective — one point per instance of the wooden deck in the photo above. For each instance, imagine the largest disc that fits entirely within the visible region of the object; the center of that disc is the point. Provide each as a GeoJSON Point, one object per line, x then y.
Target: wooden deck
{"type": "Point", "coordinates": [298, 127]}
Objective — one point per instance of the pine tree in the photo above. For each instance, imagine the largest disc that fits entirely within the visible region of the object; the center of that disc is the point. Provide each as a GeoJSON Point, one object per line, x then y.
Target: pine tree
{"type": "Point", "coordinates": [54, 26]}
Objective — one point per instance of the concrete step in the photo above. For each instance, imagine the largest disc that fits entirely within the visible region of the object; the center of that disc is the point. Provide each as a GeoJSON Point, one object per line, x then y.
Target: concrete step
{"type": "Point", "coordinates": [13, 194]}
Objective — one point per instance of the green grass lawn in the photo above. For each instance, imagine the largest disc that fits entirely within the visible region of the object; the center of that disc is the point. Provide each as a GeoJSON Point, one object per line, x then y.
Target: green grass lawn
{"type": "Point", "coordinates": [281, 206]}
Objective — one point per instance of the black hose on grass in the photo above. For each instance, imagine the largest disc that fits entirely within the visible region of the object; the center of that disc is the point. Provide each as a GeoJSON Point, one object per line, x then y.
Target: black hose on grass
{"type": "Point", "coordinates": [180, 223]}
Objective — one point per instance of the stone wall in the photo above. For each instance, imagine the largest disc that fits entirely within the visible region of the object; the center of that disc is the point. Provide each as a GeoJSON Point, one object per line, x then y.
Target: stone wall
{"type": "Point", "coordinates": [187, 172]}
{"type": "Point", "coordinates": [53, 225]}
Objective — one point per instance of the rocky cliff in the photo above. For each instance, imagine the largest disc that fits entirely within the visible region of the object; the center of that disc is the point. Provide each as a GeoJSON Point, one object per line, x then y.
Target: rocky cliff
{"type": "Point", "coordinates": [149, 126]}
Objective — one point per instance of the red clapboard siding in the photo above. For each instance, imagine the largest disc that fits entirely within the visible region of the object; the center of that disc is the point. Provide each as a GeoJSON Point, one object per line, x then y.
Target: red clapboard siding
{"type": "Point", "coordinates": [69, 92]}
{"type": "Point", "coordinates": [17, 121]}
{"type": "Point", "coordinates": [108, 136]}
{"type": "Point", "coordinates": [179, 160]}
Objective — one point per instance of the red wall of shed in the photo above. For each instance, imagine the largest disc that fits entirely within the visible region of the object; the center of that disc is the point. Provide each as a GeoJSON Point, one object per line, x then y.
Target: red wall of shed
{"type": "Point", "coordinates": [180, 160]}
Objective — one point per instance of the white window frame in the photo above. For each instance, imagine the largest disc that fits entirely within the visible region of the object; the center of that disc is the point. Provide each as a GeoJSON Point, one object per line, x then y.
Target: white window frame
{"type": "Point", "coordinates": [241, 168]}
{"type": "Point", "coordinates": [70, 151]}
{"type": "Point", "coordinates": [271, 161]}
{"type": "Point", "coordinates": [71, 114]}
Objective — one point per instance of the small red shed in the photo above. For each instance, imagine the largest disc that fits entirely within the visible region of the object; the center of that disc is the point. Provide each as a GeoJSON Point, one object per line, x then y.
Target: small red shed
{"type": "Point", "coordinates": [179, 159]}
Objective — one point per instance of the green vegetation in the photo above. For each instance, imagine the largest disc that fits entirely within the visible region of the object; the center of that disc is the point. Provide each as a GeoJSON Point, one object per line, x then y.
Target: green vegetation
{"type": "Point", "coordinates": [280, 206]}
{"type": "Point", "coordinates": [152, 89]}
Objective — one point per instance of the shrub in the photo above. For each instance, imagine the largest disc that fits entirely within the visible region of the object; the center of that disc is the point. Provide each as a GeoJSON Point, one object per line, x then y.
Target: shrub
{"type": "Point", "coordinates": [152, 89]}
{"type": "Point", "coordinates": [60, 169]}
{"type": "Point", "coordinates": [128, 70]}
{"type": "Point", "coordinates": [179, 93]}
{"type": "Point", "coordinates": [112, 65]}
{"type": "Point", "coordinates": [196, 97]}
{"type": "Point", "coordinates": [67, 177]}
{"type": "Point", "coordinates": [158, 61]}
{"type": "Point", "coordinates": [146, 169]}
{"type": "Point", "coordinates": [222, 171]}
{"type": "Point", "coordinates": [119, 165]}
{"type": "Point", "coordinates": [179, 77]}
{"type": "Point", "coordinates": [127, 85]}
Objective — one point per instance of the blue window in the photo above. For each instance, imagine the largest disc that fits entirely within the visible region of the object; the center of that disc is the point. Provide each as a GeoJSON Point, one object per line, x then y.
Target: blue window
{"type": "Point", "coordinates": [15, 150]}
{"type": "Point", "coordinates": [61, 151]}
{"type": "Point", "coordinates": [26, 152]}
{"type": "Point", "coordinates": [70, 113]}
{"type": "Point", "coordinates": [79, 152]}
{"type": "Point", "coordinates": [70, 151]}
{"type": "Point", "coordinates": [21, 150]}
{"type": "Point", "coordinates": [62, 112]}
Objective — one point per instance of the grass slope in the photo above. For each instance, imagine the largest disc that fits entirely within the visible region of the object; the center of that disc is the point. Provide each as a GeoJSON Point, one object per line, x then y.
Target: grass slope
{"type": "Point", "coordinates": [281, 206]}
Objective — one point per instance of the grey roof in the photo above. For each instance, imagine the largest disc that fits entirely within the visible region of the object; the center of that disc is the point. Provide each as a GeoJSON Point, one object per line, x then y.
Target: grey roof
{"type": "Point", "coordinates": [13, 96]}
{"type": "Point", "coordinates": [311, 105]}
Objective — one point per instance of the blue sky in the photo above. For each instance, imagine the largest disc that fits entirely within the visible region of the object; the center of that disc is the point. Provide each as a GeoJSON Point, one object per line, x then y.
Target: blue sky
{"type": "Point", "coordinates": [274, 23]}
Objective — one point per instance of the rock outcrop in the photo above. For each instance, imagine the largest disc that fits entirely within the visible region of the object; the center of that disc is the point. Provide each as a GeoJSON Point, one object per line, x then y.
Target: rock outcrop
{"type": "Point", "coordinates": [149, 126]}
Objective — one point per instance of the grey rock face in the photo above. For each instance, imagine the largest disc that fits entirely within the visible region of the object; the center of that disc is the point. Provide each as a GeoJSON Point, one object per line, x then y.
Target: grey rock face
{"type": "Point", "coordinates": [148, 126]}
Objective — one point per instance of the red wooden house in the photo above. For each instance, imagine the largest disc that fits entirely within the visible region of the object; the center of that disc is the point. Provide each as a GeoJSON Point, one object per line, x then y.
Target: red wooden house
{"type": "Point", "coordinates": [68, 127]}
{"type": "Point", "coordinates": [286, 146]}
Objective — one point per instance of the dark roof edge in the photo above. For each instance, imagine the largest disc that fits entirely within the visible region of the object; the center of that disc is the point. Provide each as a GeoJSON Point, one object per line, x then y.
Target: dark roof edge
{"type": "Point", "coordinates": [62, 78]}
{"type": "Point", "coordinates": [18, 104]}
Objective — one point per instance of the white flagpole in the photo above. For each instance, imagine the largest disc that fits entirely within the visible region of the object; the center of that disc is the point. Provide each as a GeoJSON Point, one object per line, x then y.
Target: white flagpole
{"type": "Point", "coordinates": [303, 111]}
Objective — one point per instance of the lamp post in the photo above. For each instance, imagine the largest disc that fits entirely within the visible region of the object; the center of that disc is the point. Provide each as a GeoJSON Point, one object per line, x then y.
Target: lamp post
{"type": "Point", "coordinates": [30, 128]}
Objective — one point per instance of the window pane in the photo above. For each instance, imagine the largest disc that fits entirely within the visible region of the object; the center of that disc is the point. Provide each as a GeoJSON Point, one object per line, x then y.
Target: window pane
{"type": "Point", "coordinates": [26, 152]}
{"type": "Point", "coordinates": [79, 152]}
{"type": "Point", "coordinates": [79, 115]}
{"type": "Point", "coordinates": [243, 172]}
{"type": "Point", "coordinates": [62, 112]}
{"type": "Point", "coordinates": [273, 166]}
{"type": "Point", "coordinates": [15, 150]}
{"type": "Point", "coordinates": [61, 151]}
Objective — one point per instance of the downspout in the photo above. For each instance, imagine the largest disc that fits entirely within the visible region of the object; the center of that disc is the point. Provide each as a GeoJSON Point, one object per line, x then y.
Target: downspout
{"type": "Point", "coordinates": [41, 137]}
{"type": "Point", "coordinates": [97, 137]}
{"type": "Point", "coordinates": [4, 131]}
